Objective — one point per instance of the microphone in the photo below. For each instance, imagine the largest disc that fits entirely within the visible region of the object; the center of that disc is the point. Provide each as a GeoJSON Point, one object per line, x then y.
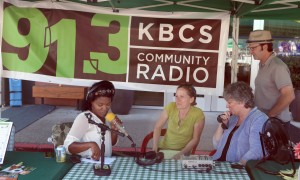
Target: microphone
{"type": "Point", "coordinates": [111, 117]}
{"type": "Point", "coordinates": [103, 127]}
{"type": "Point", "coordinates": [220, 120]}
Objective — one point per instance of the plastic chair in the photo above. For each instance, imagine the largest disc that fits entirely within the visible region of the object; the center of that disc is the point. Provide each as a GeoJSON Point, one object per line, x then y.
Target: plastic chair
{"type": "Point", "coordinates": [149, 136]}
{"type": "Point", "coordinates": [59, 133]}
{"type": "Point", "coordinates": [212, 152]}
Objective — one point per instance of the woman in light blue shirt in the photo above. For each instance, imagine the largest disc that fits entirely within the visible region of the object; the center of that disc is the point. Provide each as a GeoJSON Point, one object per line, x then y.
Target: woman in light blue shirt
{"type": "Point", "coordinates": [238, 139]}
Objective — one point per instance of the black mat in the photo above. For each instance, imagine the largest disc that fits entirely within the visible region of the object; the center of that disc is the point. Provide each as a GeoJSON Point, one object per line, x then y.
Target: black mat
{"type": "Point", "coordinates": [26, 115]}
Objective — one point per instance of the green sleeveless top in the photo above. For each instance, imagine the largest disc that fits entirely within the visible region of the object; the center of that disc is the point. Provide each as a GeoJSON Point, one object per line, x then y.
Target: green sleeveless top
{"type": "Point", "coordinates": [177, 137]}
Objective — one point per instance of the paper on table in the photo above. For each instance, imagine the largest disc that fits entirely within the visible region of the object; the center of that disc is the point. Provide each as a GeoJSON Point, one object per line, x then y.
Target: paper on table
{"type": "Point", "coordinates": [107, 160]}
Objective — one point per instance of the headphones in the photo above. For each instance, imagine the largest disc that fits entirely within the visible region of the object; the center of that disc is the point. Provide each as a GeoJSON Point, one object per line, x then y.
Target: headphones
{"type": "Point", "coordinates": [150, 158]}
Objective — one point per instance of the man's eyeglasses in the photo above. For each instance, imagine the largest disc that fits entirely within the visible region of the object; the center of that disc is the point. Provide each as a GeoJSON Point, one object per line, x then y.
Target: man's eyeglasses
{"type": "Point", "coordinates": [253, 48]}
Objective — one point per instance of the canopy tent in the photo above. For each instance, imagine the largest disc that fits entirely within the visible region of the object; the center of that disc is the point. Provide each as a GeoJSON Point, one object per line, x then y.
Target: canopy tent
{"type": "Point", "coordinates": [246, 9]}
{"type": "Point", "coordinates": [254, 9]}
{"type": "Point", "coordinates": [250, 9]}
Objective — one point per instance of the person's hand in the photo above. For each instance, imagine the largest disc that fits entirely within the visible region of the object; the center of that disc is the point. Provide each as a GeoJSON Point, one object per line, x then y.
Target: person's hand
{"type": "Point", "coordinates": [177, 156]}
{"type": "Point", "coordinates": [225, 117]}
{"type": "Point", "coordinates": [117, 120]}
{"type": "Point", "coordinates": [96, 151]}
{"type": "Point", "coordinates": [155, 149]}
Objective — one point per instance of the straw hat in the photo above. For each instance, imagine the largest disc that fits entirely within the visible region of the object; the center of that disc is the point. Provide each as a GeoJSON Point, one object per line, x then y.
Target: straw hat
{"type": "Point", "coordinates": [260, 36]}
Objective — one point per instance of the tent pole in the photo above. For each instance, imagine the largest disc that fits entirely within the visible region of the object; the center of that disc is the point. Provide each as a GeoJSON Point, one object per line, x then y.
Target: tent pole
{"type": "Point", "coordinates": [235, 48]}
{"type": "Point", "coordinates": [2, 94]}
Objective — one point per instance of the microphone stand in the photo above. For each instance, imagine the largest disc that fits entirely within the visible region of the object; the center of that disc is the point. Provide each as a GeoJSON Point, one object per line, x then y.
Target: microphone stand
{"type": "Point", "coordinates": [103, 170]}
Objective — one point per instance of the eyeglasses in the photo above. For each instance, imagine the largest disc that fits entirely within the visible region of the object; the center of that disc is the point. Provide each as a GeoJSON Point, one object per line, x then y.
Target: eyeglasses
{"type": "Point", "coordinates": [253, 48]}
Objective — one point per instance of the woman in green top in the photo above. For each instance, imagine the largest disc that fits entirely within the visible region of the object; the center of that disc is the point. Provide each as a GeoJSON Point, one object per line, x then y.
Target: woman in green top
{"type": "Point", "coordinates": [185, 123]}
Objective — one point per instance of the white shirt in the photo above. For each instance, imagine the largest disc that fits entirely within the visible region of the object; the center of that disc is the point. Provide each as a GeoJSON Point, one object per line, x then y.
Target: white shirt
{"type": "Point", "coordinates": [83, 131]}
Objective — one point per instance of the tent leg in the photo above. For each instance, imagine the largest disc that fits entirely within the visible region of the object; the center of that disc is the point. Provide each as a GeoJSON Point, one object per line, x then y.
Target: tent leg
{"type": "Point", "coordinates": [235, 48]}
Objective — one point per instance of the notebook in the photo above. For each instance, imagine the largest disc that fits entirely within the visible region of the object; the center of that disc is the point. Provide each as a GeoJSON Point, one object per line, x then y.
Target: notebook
{"type": "Point", "coordinates": [5, 130]}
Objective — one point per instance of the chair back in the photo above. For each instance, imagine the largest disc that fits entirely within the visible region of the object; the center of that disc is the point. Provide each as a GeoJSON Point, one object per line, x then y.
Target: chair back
{"type": "Point", "coordinates": [59, 133]}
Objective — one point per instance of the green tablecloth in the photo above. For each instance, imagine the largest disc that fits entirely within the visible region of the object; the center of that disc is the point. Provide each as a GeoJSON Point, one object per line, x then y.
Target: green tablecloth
{"type": "Point", "coordinates": [126, 168]}
{"type": "Point", "coordinates": [272, 166]}
{"type": "Point", "coordinates": [46, 168]}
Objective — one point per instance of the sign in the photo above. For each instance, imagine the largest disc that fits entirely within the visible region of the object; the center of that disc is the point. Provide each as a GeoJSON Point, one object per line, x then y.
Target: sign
{"type": "Point", "coordinates": [76, 45]}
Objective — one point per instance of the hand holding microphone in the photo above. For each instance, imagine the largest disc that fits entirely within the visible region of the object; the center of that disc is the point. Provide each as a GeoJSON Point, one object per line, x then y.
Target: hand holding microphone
{"type": "Point", "coordinates": [111, 117]}
{"type": "Point", "coordinates": [223, 119]}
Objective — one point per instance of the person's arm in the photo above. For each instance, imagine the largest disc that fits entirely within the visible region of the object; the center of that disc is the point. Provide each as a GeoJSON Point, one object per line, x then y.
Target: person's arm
{"type": "Point", "coordinates": [286, 97]}
{"type": "Point", "coordinates": [198, 128]}
{"type": "Point", "coordinates": [219, 132]}
{"type": "Point", "coordinates": [157, 129]}
{"type": "Point", "coordinates": [78, 147]}
{"type": "Point", "coordinates": [217, 136]}
{"type": "Point", "coordinates": [77, 131]}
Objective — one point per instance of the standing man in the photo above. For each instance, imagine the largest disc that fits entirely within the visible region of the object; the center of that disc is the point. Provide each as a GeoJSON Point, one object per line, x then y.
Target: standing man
{"type": "Point", "coordinates": [273, 86]}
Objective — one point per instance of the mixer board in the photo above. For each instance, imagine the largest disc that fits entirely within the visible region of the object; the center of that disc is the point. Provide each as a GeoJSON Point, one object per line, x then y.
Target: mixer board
{"type": "Point", "coordinates": [201, 162]}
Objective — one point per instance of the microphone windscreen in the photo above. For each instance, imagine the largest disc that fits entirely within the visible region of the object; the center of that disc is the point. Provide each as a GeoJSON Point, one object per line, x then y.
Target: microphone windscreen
{"type": "Point", "coordinates": [110, 116]}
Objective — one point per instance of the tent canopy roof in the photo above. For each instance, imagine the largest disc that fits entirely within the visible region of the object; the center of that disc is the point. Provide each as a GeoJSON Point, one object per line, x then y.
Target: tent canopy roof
{"type": "Point", "coordinates": [252, 9]}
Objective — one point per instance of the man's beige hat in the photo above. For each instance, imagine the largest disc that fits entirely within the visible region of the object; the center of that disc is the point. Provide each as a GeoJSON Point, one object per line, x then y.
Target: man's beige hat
{"type": "Point", "coordinates": [260, 36]}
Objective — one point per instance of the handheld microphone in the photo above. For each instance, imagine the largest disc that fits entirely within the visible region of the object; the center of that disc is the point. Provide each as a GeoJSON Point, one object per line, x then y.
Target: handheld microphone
{"type": "Point", "coordinates": [103, 127]}
{"type": "Point", "coordinates": [111, 117]}
{"type": "Point", "coordinates": [220, 120]}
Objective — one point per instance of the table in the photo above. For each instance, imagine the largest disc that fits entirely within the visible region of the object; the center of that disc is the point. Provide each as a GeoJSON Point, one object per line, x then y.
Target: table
{"type": "Point", "coordinates": [126, 168]}
{"type": "Point", "coordinates": [46, 168]}
{"type": "Point", "coordinates": [255, 173]}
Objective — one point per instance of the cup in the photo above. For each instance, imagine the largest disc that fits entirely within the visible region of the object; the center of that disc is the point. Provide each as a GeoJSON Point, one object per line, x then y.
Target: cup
{"type": "Point", "coordinates": [60, 152]}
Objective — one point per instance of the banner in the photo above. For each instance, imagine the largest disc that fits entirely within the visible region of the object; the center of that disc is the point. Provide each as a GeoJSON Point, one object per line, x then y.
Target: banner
{"type": "Point", "coordinates": [76, 44]}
